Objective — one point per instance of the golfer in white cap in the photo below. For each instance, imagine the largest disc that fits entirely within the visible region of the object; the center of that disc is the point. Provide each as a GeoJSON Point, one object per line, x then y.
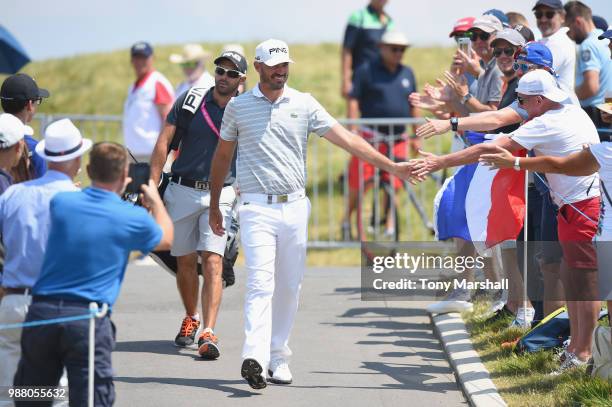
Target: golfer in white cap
{"type": "Point", "coordinates": [270, 124]}
{"type": "Point", "coordinates": [24, 224]}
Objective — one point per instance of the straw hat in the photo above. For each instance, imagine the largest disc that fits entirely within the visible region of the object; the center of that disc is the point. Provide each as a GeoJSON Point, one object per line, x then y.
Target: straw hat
{"type": "Point", "coordinates": [191, 53]}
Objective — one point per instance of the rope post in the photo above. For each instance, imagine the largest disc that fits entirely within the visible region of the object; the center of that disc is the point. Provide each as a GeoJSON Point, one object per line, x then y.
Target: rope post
{"type": "Point", "coordinates": [525, 242]}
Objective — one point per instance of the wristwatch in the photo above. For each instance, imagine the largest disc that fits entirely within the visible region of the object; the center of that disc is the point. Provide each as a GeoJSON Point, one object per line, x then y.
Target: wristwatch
{"type": "Point", "coordinates": [466, 98]}
{"type": "Point", "coordinates": [517, 164]}
{"type": "Point", "coordinates": [454, 121]}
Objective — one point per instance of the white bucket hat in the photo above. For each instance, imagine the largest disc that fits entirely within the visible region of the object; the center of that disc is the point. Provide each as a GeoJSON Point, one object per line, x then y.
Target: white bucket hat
{"type": "Point", "coordinates": [191, 53]}
{"type": "Point", "coordinates": [63, 142]}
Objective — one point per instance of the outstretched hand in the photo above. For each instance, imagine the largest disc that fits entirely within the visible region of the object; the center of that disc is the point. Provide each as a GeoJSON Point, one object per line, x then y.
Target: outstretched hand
{"type": "Point", "coordinates": [421, 167]}
{"type": "Point", "coordinates": [433, 128]}
{"type": "Point", "coordinates": [502, 158]}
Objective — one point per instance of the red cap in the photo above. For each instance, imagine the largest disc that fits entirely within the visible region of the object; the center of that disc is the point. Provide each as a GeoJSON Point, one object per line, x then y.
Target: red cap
{"type": "Point", "coordinates": [462, 25]}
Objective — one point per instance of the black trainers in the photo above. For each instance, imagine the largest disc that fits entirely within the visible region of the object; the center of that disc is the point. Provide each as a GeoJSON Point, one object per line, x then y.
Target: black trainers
{"type": "Point", "coordinates": [251, 371]}
{"type": "Point", "coordinates": [187, 333]}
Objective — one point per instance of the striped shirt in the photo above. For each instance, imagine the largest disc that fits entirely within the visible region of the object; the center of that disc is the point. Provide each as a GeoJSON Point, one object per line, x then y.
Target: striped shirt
{"type": "Point", "coordinates": [272, 138]}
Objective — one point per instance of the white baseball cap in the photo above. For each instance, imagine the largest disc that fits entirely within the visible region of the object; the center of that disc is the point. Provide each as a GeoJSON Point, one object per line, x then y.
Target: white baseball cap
{"type": "Point", "coordinates": [272, 52]}
{"type": "Point", "coordinates": [542, 83]}
{"type": "Point", "coordinates": [63, 142]}
{"type": "Point", "coordinates": [11, 130]}
{"type": "Point", "coordinates": [394, 38]}
{"type": "Point", "coordinates": [488, 23]}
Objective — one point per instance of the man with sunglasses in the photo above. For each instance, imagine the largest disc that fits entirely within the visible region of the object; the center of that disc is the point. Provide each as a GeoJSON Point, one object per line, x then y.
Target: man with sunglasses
{"type": "Point", "coordinates": [594, 67]}
{"type": "Point", "coordinates": [559, 129]}
{"type": "Point", "coordinates": [270, 125]}
{"type": "Point", "coordinates": [192, 61]}
{"type": "Point", "coordinates": [187, 198]}
{"type": "Point", "coordinates": [380, 89]}
{"type": "Point", "coordinates": [550, 16]}
{"type": "Point", "coordinates": [21, 96]}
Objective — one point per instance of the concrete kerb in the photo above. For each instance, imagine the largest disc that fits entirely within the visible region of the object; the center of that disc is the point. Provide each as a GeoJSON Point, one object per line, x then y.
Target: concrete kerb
{"type": "Point", "coordinates": [473, 377]}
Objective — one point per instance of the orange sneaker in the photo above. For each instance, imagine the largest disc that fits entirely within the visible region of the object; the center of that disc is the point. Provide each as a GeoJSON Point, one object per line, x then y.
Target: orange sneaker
{"type": "Point", "coordinates": [187, 333]}
{"type": "Point", "coordinates": [208, 346]}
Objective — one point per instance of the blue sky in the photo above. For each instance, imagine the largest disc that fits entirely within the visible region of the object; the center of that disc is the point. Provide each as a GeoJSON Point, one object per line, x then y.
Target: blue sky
{"type": "Point", "coordinates": [58, 28]}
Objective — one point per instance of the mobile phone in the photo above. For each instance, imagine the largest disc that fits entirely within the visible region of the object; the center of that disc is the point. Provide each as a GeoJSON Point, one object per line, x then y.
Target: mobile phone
{"type": "Point", "coordinates": [140, 174]}
{"type": "Point", "coordinates": [465, 45]}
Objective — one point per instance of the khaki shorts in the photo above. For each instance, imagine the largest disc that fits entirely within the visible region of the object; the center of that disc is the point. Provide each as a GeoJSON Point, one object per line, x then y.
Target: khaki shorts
{"type": "Point", "coordinates": [188, 209]}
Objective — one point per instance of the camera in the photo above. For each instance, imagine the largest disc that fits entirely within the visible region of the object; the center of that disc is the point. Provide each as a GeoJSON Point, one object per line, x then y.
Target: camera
{"type": "Point", "coordinates": [140, 174]}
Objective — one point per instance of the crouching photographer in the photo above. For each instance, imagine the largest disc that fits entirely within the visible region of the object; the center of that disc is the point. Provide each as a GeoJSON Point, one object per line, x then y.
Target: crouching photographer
{"type": "Point", "coordinates": [192, 126]}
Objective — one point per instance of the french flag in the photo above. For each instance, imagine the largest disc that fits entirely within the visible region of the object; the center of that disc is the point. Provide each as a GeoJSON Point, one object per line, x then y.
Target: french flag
{"type": "Point", "coordinates": [480, 205]}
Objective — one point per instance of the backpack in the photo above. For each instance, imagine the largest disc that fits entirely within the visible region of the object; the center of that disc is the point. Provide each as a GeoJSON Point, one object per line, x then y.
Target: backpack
{"type": "Point", "coordinates": [602, 353]}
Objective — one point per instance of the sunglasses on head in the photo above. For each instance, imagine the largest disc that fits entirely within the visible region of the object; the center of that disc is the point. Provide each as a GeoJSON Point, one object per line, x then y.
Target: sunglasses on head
{"type": "Point", "coordinates": [523, 66]}
{"type": "Point", "coordinates": [506, 51]}
{"type": "Point", "coordinates": [482, 35]}
{"type": "Point", "coordinates": [231, 73]}
{"type": "Point", "coordinates": [539, 14]}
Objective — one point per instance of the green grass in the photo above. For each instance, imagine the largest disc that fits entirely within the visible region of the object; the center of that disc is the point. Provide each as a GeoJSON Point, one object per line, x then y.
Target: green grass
{"type": "Point", "coordinates": [523, 380]}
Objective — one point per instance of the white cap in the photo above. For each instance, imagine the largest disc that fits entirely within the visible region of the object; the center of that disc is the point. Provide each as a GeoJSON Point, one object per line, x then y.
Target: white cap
{"type": "Point", "coordinates": [191, 53]}
{"type": "Point", "coordinates": [272, 52]}
{"type": "Point", "coordinates": [394, 38]}
{"type": "Point", "coordinates": [63, 142]}
{"type": "Point", "coordinates": [11, 130]}
{"type": "Point", "coordinates": [542, 83]}
{"type": "Point", "coordinates": [488, 23]}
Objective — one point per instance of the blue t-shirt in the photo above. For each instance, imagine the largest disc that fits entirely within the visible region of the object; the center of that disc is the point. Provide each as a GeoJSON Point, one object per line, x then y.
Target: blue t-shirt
{"type": "Point", "coordinates": [594, 55]}
{"type": "Point", "coordinates": [92, 234]}
{"type": "Point", "coordinates": [382, 93]}
{"type": "Point", "coordinates": [38, 163]}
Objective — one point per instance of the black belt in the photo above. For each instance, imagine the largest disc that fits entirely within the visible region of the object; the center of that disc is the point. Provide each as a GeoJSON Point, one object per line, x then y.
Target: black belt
{"type": "Point", "coordinates": [61, 301]}
{"type": "Point", "coordinates": [191, 183]}
{"type": "Point", "coordinates": [18, 290]}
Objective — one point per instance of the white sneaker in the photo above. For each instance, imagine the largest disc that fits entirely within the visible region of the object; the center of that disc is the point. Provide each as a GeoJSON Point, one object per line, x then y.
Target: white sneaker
{"type": "Point", "coordinates": [523, 318]}
{"type": "Point", "coordinates": [279, 372]}
{"type": "Point", "coordinates": [456, 301]}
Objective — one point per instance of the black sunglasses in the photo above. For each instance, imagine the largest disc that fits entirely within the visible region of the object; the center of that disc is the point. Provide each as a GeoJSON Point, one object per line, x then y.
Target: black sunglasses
{"type": "Point", "coordinates": [231, 73]}
{"type": "Point", "coordinates": [37, 101]}
{"type": "Point", "coordinates": [539, 14]}
{"type": "Point", "coordinates": [482, 35]}
{"type": "Point", "coordinates": [506, 51]}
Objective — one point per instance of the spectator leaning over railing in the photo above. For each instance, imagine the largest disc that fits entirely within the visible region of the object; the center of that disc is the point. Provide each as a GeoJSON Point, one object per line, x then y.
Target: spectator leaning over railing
{"type": "Point", "coordinates": [24, 224]}
{"type": "Point", "coordinates": [556, 129]}
{"type": "Point", "coordinates": [594, 67]}
{"type": "Point", "coordinates": [147, 104]}
{"type": "Point", "coordinates": [92, 234]}
{"type": "Point", "coordinates": [380, 90]}
{"type": "Point", "coordinates": [21, 96]}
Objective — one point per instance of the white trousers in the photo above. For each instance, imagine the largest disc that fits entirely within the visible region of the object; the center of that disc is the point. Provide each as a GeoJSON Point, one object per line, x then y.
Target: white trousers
{"type": "Point", "coordinates": [274, 238]}
{"type": "Point", "coordinates": [13, 310]}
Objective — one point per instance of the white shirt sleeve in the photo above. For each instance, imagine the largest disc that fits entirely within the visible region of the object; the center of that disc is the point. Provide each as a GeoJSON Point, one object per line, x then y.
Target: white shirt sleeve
{"type": "Point", "coordinates": [319, 121]}
{"type": "Point", "coordinates": [229, 128]}
{"type": "Point", "coordinates": [531, 134]}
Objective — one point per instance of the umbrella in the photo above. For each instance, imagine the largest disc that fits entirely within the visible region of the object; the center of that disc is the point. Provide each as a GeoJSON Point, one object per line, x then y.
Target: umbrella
{"type": "Point", "coordinates": [12, 56]}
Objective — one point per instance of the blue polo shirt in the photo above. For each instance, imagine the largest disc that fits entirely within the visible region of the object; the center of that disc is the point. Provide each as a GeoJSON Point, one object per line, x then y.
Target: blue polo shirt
{"type": "Point", "coordinates": [594, 55]}
{"type": "Point", "coordinates": [363, 33]}
{"type": "Point", "coordinates": [382, 93]}
{"type": "Point", "coordinates": [92, 234]}
{"type": "Point", "coordinates": [38, 164]}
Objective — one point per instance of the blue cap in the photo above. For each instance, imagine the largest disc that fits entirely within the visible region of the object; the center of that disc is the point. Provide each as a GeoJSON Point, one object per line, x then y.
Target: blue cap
{"type": "Point", "coordinates": [500, 16]}
{"type": "Point", "coordinates": [536, 53]}
{"type": "Point", "coordinates": [141, 49]}
{"type": "Point", "coordinates": [600, 23]}
{"type": "Point", "coordinates": [554, 4]}
{"type": "Point", "coordinates": [607, 34]}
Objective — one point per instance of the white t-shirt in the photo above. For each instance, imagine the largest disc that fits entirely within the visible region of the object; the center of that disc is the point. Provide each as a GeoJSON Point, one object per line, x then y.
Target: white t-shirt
{"type": "Point", "coordinates": [559, 133]}
{"type": "Point", "coordinates": [603, 154]}
{"type": "Point", "coordinates": [563, 51]}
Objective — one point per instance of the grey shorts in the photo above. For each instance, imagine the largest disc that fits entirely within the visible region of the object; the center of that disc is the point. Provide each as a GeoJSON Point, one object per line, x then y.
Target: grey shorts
{"type": "Point", "coordinates": [188, 209]}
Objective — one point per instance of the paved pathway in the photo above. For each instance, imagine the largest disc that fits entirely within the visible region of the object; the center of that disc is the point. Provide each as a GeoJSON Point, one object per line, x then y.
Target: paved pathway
{"type": "Point", "coordinates": [346, 351]}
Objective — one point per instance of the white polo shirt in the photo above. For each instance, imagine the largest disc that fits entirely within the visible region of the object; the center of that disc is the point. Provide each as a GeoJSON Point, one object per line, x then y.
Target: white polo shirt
{"type": "Point", "coordinates": [559, 133]}
{"type": "Point", "coordinates": [563, 51]}
{"type": "Point", "coordinates": [272, 138]}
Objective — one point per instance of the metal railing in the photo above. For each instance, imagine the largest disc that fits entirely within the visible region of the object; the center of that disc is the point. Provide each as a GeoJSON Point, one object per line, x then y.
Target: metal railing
{"type": "Point", "coordinates": [376, 196]}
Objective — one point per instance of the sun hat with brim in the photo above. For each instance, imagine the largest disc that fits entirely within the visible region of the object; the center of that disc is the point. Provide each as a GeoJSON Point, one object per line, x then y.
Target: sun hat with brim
{"type": "Point", "coordinates": [191, 53]}
{"type": "Point", "coordinates": [394, 38]}
{"type": "Point", "coordinates": [605, 107]}
{"type": "Point", "coordinates": [62, 142]}
{"type": "Point", "coordinates": [541, 83]}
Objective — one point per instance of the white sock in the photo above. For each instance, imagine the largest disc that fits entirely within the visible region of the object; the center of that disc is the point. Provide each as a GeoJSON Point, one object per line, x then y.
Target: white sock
{"type": "Point", "coordinates": [195, 316]}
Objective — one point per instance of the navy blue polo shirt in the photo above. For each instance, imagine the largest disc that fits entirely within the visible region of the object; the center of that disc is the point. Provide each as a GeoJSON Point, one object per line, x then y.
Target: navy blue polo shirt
{"type": "Point", "coordinates": [92, 234]}
{"type": "Point", "coordinates": [199, 144]}
{"type": "Point", "coordinates": [382, 93]}
{"type": "Point", "coordinates": [363, 33]}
